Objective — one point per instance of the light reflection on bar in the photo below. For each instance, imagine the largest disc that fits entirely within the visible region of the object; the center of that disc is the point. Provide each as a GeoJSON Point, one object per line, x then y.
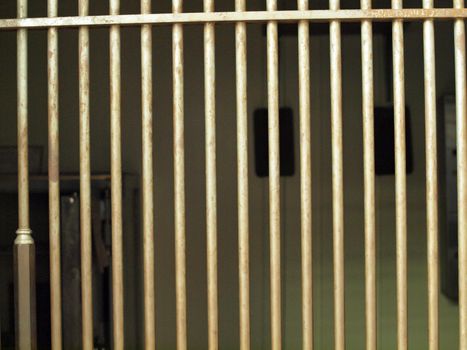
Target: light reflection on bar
{"type": "Point", "coordinates": [54, 180]}
{"type": "Point", "coordinates": [85, 183]}
{"type": "Point", "coordinates": [274, 177]}
{"type": "Point", "coordinates": [211, 194]}
{"type": "Point", "coordinates": [242, 175]}
{"type": "Point", "coordinates": [116, 181]}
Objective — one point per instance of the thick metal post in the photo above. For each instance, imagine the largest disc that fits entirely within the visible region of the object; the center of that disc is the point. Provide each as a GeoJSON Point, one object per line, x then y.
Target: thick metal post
{"type": "Point", "coordinates": [24, 249]}
{"type": "Point", "coordinates": [25, 290]}
{"type": "Point", "coordinates": [369, 180]}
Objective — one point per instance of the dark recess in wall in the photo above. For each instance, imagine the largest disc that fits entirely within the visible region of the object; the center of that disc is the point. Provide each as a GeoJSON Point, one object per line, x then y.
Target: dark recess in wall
{"type": "Point", "coordinates": [286, 142]}
{"type": "Point", "coordinates": [384, 141]}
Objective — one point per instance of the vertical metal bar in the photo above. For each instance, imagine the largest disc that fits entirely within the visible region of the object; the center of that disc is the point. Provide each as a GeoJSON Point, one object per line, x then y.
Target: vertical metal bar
{"type": "Point", "coordinates": [25, 297]}
{"type": "Point", "coordinates": [369, 179]}
{"type": "Point", "coordinates": [22, 77]}
{"type": "Point", "coordinates": [274, 178]}
{"type": "Point", "coordinates": [337, 180]}
{"type": "Point", "coordinates": [116, 180]}
{"type": "Point", "coordinates": [400, 162]}
{"type": "Point", "coordinates": [54, 182]}
{"type": "Point", "coordinates": [242, 175]}
{"type": "Point", "coordinates": [211, 194]}
{"type": "Point", "coordinates": [305, 178]}
{"type": "Point", "coordinates": [147, 180]}
{"type": "Point", "coordinates": [179, 178]}
{"type": "Point", "coordinates": [431, 177]}
{"type": "Point", "coordinates": [85, 183]}
{"type": "Point", "coordinates": [24, 249]}
{"type": "Point", "coordinates": [461, 120]}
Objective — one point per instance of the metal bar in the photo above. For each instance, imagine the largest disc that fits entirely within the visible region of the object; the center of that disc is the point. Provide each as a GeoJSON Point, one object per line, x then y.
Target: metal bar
{"type": "Point", "coordinates": [461, 120]}
{"type": "Point", "coordinates": [400, 173]}
{"type": "Point", "coordinates": [377, 15]}
{"type": "Point", "coordinates": [22, 92]}
{"type": "Point", "coordinates": [211, 192]}
{"type": "Point", "coordinates": [305, 178]}
{"type": "Point", "coordinates": [179, 178]}
{"type": "Point", "coordinates": [85, 183]}
{"type": "Point", "coordinates": [369, 180]}
{"type": "Point", "coordinates": [274, 178]}
{"type": "Point", "coordinates": [54, 182]}
{"type": "Point", "coordinates": [24, 248]}
{"type": "Point", "coordinates": [337, 180]}
{"type": "Point", "coordinates": [431, 178]}
{"type": "Point", "coordinates": [147, 180]}
{"type": "Point", "coordinates": [242, 175]}
{"type": "Point", "coordinates": [116, 180]}
{"type": "Point", "coordinates": [25, 290]}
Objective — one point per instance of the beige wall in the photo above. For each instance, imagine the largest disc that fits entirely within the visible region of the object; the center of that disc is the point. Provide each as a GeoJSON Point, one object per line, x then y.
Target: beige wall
{"type": "Point", "coordinates": [226, 126]}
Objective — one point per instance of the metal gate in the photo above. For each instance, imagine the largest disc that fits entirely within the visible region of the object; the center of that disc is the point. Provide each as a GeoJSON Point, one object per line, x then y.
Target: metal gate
{"type": "Point", "coordinates": [334, 16]}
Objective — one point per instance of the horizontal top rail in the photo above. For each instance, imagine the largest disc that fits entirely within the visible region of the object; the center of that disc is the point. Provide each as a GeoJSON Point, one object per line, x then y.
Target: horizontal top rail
{"type": "Point", "coordinates": [229, 17]}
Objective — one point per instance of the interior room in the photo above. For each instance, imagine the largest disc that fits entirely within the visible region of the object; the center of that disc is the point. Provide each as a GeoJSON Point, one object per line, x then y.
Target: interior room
{"type": "Point", "coordinates": [226, 170]}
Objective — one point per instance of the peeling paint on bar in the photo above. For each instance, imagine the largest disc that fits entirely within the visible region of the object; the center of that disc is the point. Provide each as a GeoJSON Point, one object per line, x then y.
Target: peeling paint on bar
{"type": "Point", "coordinates": [231, 17]}
{"type": "Point", "coordinates": [54, 181]}
{"type": "Point", "coordinates": [85, 183]}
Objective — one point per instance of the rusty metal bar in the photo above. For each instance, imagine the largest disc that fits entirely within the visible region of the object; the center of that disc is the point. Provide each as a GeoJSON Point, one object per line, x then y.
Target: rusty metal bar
{"type": "Point", "coordinates": [54, 181]}
{"type": "Point", "coordinates": [179, 177]}
{"type": "Point", "coordinates": [369, 180]}
{"type": "Point", "coordinates": [85, 183]}
{"type": "Point", "coordinates": [400, 172]}
{"type": "Point", "coordinates": [461, 121]}
{"type": "Point", "coordinates": [274, 178]}
{"type": "Point", "coordinates": [211, 191]}
{"type": "Point", "coordinates": [305, 178]}
{"type": "Point", "coordinates": [337, 180]}
{"type": "Point", "coordinates": [242, 175]}
{"type": "Point", "coordinates": [377, 15]}
{"type": "Point", "coordinates": [116, 180]}
{"type": "Point", "coordinates": [147, 181]}
{"type": "Point", "coordinates": [24, 248]}
{"type": "Point", "coordinates": [431, 178]}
